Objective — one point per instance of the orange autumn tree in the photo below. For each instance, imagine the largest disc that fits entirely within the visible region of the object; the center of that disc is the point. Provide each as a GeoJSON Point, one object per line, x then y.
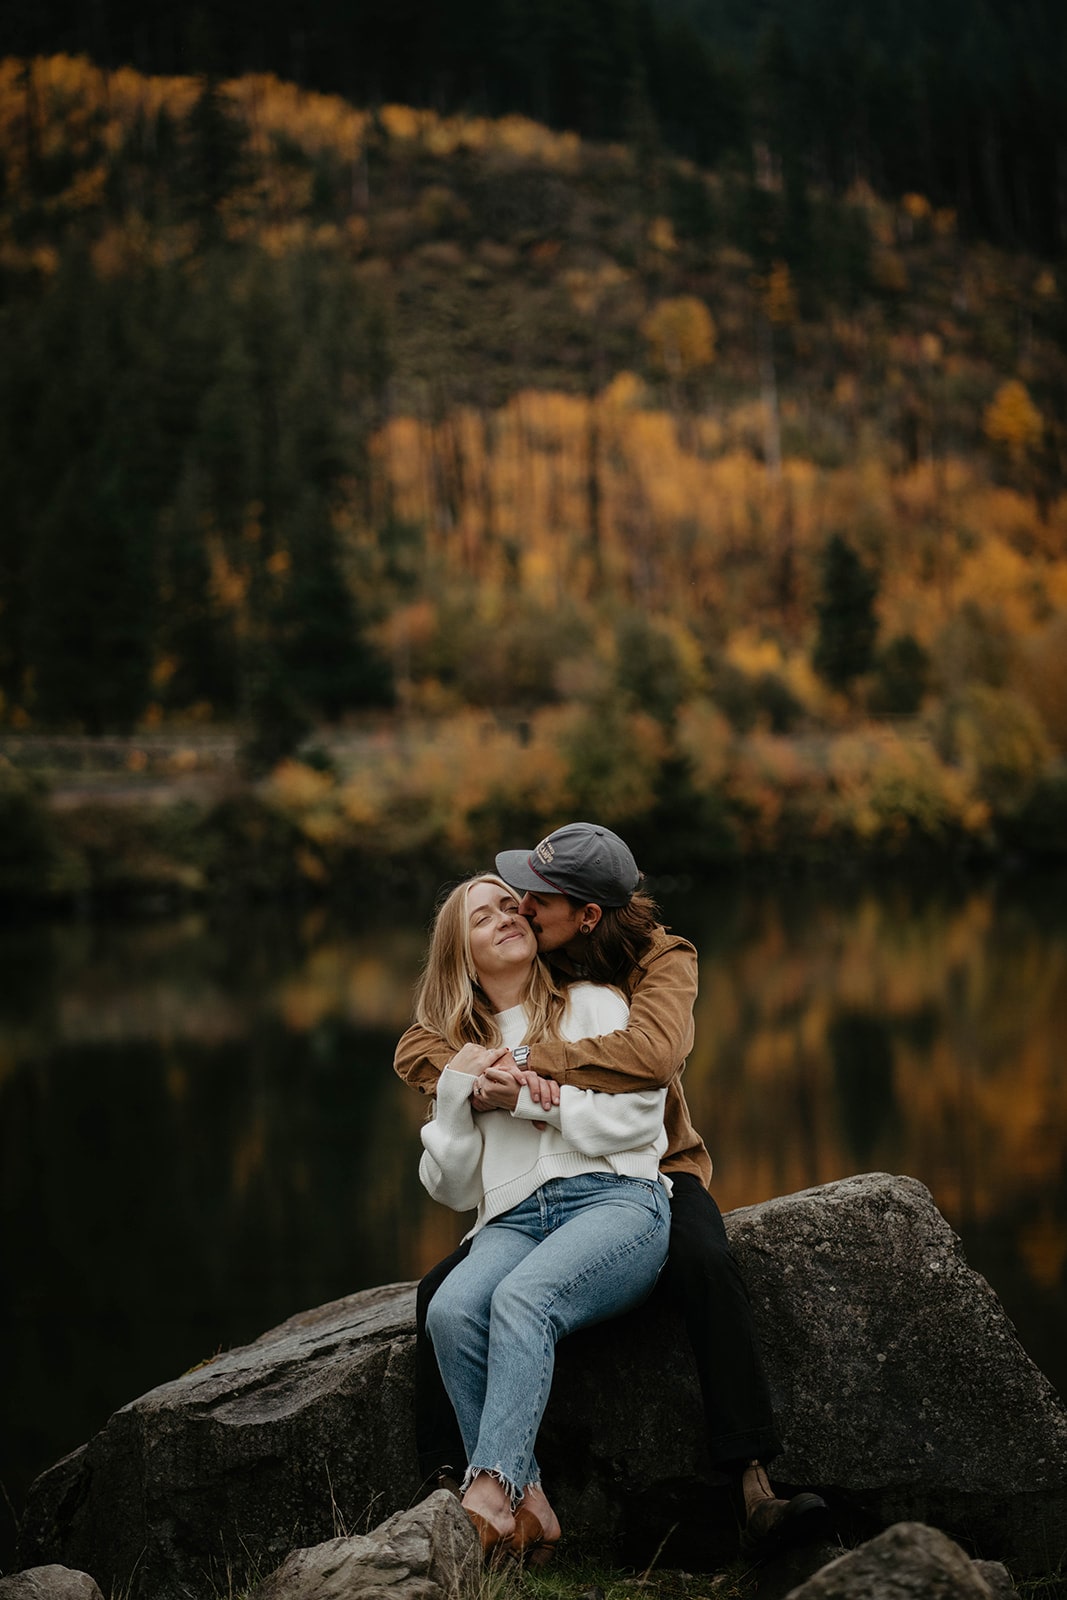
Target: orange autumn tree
{"type": "Point", "coordinates": [1013, 421]}
{"type": "Point", "coordinates": [680, 334]}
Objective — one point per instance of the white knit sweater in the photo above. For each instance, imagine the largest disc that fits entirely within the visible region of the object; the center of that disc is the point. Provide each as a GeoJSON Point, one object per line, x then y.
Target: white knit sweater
{"type": "Point", "coordinates": [493, 1159]}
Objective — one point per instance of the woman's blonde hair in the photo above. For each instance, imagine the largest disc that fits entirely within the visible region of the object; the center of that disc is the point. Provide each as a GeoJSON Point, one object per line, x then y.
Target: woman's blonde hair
{"type": "Point", "coordinates": [450, 1001]}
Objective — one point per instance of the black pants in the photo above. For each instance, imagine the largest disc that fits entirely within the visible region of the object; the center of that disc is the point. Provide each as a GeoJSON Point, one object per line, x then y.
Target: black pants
{"type": "Point", "coordinates": [703, 1281]}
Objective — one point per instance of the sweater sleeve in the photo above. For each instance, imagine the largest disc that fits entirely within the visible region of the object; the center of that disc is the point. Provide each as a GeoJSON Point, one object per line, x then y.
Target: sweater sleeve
{"type": "Point", "coordinates": [600, 1124]}
{"type": "Point", "coordinates": [450, 1168]}
{"type": "Point", "coordinates": [653, 1045]}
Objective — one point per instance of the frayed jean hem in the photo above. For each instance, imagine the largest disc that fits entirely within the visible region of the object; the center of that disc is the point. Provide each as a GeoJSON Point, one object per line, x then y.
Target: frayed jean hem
{"type": "Point", "coordinates": [514, 1493]}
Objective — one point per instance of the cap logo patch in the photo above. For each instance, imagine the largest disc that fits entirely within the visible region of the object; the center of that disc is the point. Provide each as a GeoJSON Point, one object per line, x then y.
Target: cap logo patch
{"type": "Point", "coordinates": [545, 852]}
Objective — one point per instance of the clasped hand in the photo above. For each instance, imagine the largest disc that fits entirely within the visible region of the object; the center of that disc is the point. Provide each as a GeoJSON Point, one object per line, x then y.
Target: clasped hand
{"type": "Point", "coordinates": [498, 1079]}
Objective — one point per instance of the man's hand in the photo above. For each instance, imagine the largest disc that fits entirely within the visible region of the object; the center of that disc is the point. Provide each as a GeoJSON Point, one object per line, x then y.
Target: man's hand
{"type": "Point", "coordinates": [542, 1090]}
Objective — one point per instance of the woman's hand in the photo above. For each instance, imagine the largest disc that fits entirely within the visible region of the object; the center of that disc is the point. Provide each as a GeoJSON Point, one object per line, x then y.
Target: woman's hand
{"type": "Point", "coordinates": [476, 1058]}
{"type": "Point", "coordinates": [497, 1089]}
{"type": "Point", "coordinates": [497, 1080]}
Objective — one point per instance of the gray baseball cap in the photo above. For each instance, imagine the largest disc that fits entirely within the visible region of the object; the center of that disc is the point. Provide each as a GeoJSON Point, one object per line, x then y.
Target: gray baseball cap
{"type": "Point", "coordinates": [582, 860]}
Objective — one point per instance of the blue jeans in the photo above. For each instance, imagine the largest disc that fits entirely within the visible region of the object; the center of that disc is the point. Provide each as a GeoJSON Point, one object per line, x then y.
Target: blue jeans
{"type": "Point", "coordinates": [577, 1251]}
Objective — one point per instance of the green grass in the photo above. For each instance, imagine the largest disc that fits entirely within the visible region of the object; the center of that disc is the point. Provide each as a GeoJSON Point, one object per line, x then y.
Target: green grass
{"type": "Point", "coordinates": [591, 1580]}
{"type": "Point", "coordinates": [738, 1581]}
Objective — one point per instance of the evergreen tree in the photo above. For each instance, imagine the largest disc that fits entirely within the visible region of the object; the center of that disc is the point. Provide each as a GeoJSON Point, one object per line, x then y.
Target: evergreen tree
{"type": "Point", "coordinates": [213, 160]}
{"type": "Point", "coordinates": [90, 630]}
{"type": "Point", "coordinates": [197, 649]}
{"type": "Point", "coordinates": [903, 672]}
{"type": "Point", "coordinates": [227, 438]}
{"type": "Point", "coordinates": [848, 626]}
{"type": "Point", "coordinates": [84, 480]}
{"type": "Point", "coordinates": [317, 630]}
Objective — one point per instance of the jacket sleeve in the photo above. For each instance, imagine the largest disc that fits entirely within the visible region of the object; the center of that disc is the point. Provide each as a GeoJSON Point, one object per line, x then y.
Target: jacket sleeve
{"type": "Point", "coordinates": [420, 1058]}
{"type": "Point", "coordinates": [600, 1124]}
{"type": "Point", "coordinates": [648, 1052]}
{"type": "Point", "coordinates": [450, 1168]}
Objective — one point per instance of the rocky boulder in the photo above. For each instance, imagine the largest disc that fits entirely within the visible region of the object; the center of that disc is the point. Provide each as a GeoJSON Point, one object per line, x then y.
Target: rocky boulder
{"type": "Point", "coordinates": [49, 1583]}
{"type": "Point", "coordinates": [428, 1553]}
{"type": "Point", "coordinates": [907, 1562]}
{"type": "Point", "coordinates": [294, 1439]}
{"type": "Point", "coordinates": [900, 1380]}
{"type": "Point", "coordinates": [900, 1387]}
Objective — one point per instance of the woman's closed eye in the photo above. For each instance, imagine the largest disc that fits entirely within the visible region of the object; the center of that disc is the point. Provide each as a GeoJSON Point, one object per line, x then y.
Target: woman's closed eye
{"type": "Point", "coordinates": [480, 918]}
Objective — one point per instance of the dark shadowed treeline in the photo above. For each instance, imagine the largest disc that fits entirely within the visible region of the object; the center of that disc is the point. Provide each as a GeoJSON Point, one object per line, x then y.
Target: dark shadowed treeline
{"type": "Point", "coordinates": [959, 102]}
{"type": "Point", "coordinates": [178, 422]}
{"type": "Point", "coordinates": [174, 438]}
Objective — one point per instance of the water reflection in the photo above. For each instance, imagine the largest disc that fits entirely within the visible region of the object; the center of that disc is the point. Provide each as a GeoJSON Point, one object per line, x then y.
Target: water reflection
{"type": "Point", "coordinates": [200, 1131]}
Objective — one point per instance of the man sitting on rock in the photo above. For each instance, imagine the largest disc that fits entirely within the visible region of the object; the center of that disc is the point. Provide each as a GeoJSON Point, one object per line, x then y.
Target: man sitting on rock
{"type": "Point", "coordinates": [580, 891]}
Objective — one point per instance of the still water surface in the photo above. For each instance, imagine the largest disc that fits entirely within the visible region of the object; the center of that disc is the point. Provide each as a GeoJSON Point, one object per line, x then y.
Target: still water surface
{"type": "Point", "coordinates": [201, 1134]}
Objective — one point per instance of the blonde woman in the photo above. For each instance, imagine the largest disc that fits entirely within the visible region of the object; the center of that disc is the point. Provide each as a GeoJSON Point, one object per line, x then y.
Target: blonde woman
{"type": "Point", "coordinates": [572, 1215]}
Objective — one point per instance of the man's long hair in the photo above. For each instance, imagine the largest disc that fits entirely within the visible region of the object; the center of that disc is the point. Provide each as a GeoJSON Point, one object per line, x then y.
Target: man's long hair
{"type": "Point", "coordinates": [450, 1001]}
{"type": "Point", "coordinates": [620, 938]}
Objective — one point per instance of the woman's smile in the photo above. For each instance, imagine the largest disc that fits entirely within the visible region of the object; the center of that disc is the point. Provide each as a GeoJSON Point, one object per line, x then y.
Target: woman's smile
{"type": "Point", "coordinates": [500, 939]}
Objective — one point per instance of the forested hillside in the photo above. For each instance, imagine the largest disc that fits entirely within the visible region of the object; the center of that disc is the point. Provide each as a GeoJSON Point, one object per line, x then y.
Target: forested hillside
{"type": "Point", "coordinates": [310, 409]}
{"type": "Point", "coordinates": [960, 102]}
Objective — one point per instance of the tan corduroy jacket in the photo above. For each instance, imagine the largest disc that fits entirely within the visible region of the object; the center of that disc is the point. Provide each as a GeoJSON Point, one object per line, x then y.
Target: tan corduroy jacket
{"type": "Point", "coordinates": [649, 1053]}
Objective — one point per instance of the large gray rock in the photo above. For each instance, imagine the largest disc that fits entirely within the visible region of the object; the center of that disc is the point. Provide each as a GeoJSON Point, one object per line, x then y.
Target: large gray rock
{"type": "Point", "coordinates": [428, 1553]}
{"type": "Point", "coordinates": [900, 1388]}
{"type": "Point", "coordinates": [907, 1562]}
{"type": "Point", "coordinates": [49, 1583]}
{"type": "Point", "coordinates": [896, 1372]}
{"type": "Point", "coordinates": [219, 1474]}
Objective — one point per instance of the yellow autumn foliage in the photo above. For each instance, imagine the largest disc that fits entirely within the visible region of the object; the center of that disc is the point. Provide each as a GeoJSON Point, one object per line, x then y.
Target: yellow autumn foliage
{"type": "Point", "coordinates": [680, 335]}
{"type": "Point", "coordinates": [661, 235]}
{"type": "Point", "coordinates": [887, 789]}
{"type": "Point", "coordinates": [999, 740]}
{"type": "Point", "coordinates": [687, 522]}
{"type": "Point", "coordinates": [624, 392]}
{"type": "Point", "coordinates": [1012, 420]}
{"type": "Point", "coordinates": [916, 206]}
{"type": "Point", "coordinates": [705, 738]}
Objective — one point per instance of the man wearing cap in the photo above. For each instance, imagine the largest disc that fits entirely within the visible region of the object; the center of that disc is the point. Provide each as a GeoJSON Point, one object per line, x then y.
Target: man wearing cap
{"type": "Point", "coordinates": [580, 891]}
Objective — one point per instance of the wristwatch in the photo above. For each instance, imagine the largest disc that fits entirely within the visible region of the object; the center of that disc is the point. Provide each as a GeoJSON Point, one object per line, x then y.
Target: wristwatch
{"type": "Point", "coordinates": [521, 1053]}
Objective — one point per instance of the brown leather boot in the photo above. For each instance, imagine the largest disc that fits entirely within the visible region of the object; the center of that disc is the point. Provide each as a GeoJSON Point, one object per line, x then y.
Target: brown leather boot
{"type": "Point", "coordinates": [770, 1524]}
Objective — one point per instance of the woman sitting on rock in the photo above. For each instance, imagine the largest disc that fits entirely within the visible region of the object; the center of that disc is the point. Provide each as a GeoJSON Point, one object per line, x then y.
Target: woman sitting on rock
{"type": "Point", "coordinates": [572, 1213]}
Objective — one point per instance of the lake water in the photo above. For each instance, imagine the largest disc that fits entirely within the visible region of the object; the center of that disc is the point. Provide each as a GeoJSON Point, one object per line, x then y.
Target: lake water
{"type": "Point", "coordinates": [201, 1134]}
